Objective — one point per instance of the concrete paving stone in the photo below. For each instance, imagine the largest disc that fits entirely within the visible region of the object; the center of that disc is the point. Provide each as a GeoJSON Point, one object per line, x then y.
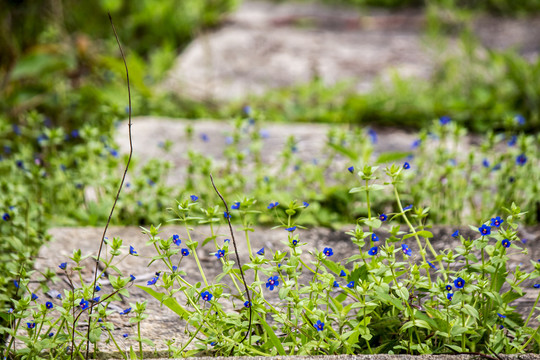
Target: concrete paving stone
{"type": "Point", "coordinates": [162, 324]}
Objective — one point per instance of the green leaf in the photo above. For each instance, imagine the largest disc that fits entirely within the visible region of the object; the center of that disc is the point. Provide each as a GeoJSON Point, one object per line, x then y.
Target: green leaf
{"type": "Point", "coordinates": [273, 338]}
{"type": "Point", "coordinates": [374, 223]}
{"type": "Point", "coordinates": [132, 354]}
{"type": "Point", "coordinates": [95, 335]}
{"type": "Point", "coordinates": [391, 157]}
{"type": "Point", "coordinates": [169, 302]}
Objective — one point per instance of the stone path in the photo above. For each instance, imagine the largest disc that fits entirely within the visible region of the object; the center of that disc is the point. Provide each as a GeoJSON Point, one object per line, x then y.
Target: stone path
{"type": "Point", "coordinates": [267, 45]}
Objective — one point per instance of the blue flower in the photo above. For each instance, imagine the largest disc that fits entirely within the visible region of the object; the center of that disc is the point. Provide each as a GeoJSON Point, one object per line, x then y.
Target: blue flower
{"type": "Point", "coordinates": [16, 283]}
{"type": "Point", "coordinates": [416, 143]}
{"type": "Point", "coordinates": [194, 198]}
{"type": "Point", "coordinates": [328, 251]}
{"type": "Point", "coordinates": [49, 305]}
{"type": "Point", "coordinates": [75, 134]}
{"type": "Point", "coordinates": [63, 265]}
{"type": "Point", "coordinates": [176, 240]}
{"type": "Point", "coordinates": [153, 281]}
{"type": "Point", "coordinates": [372, 135]}
{"type": "Point", "coordinates": [496, 167]}
{"type": "Point", "coordinates": [31, 325]}
{"type": "Point", "coordinates": [484, 230]}
{"type": "Point", "coordinates": [34, 297]}
{"type": "Point", "coordinates": [443, 120]}
{"type": "Point", "coordinates": [521, 159]}
{"type": "Point", "coordinates": [319, 325]}
{"type": "Point", "coordinates": [306, 204]}
{"type": "Point", "coordinates": [350, 285]}
{"type": "Point", "coordinates": [455, 234]}
{"type": "Point", "coordinates": [227, 241]}
{"type": "Point", "coordinates": [406, 166]}
{"type": "Point", "coordinates": [449, 296]}
{"type": "Point", "coordinates": [459, 283]}
{"type": "Point", "coordinates": [113, 153]}
{"type": "Point", "coordinates": [406, 250]}
{"type": "Point", "coordinates": [185, 252]}
{"type": "Point", "coordinates": [226, 215]}
{"type": "Point", "coordinates": [496, 221]}
{"type": "Point", "coordinates": [246, 110]}
{"type": "Point", "coordinates": [6, 217]}
{"type": "Point", "coordinates": [485, 163]}
{"type": "Point", "coordinates": [383, 217]}
{"type": "Point", "coordinates": [206, 296]}
{"type": "Point", "coordinates": [272, 282]}
{"type": "Point", "coordinates": [295, 242]}
{"type": "Point", "coordinates": [336, 284]}
{"type": "Point", "coordinates": [351, 169]}
{"type": "Point", "coordinates": [448, 287]}
{"type": "Point", "coordinates": [51, 334]}
{"type": "Point", "coordinates": [373, 251]}
{"type": "Point", "coordinates": [536, 286]}
{"type": "Point", "coordinates": [247, 304]}
{"type": "Point", "coordinates": [512, 141]}
{"type": "Point", "coordinates": [98, 288]}
{"type": "Point", "coordinates": [431, 264]}
{"type": "Point", "coordinates": [220, 253]}
{"type": "Point", "coordinates": [519, 119]}
{"type": "Point", "coordinates": [291, 229]}
{"type": "Point", "coordinates": [506, 243]}
{"type": "Point", "coordinates": [260, 252]}
{"type": "Point", "coordinates": [84, 304]}
{"type": "Point", "coordinates": [236, 205]}
{"type": "Point", "coordinates": [407, 207]}
{"type": "Point", "coordinates": [342, 273]}
{"type": "Point", "coordinates": [132, 250]}
{"type": "Point", "coordinates": [59, 296]}
{"type": "Point", "coordinates": [124, 312]}
{"type": "Point", "coordinates": [96, 299]}
{"type": "Point", "coordinates": [374, 237]}
{"type": "Point", "coordinates": [174, 268]}
{"type": "Point", "coordinates": [501, 316]}
{"type": "Point", "coordinates": [125, 335]}
{"type": "Point", "coordinates": [132, 278]}
{"type": "Point", "coordinates": [272, 205]}
{"type": "Point", "coordinates": [204, 137]}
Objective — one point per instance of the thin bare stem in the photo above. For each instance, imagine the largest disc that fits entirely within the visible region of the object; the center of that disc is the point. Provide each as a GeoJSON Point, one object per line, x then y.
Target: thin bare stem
{"type": "Point", "coordinates": [119, 188]}
{"type": "Point", "coordinates": [237, 257]}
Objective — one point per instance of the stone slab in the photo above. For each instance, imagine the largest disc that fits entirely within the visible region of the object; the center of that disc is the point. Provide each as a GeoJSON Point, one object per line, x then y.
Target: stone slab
{"type": "Point", "coordinates": [162, 324]}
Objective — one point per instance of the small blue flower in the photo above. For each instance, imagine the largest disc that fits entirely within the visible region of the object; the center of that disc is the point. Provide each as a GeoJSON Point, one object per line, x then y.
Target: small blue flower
{"type": "Point", "coordinates": [153, 281]}
{"type": "Point", "coordinates": [496, 167]}
{"type": "Point", "coordinates": [406, 166]}
{"type": "Point", "coordinates": [336, 284]}
{"type": "Point", "coordinates": [374, 237]}
{"type": "Point", "coordinates": [431, 265]}
{"type": "Point", "coordinates": [59, 296]}
{"type": "Point", "coordinates": [31, 325]}
{"type": "Point", "coordinates": [342, 273]}
{"type": "Point", "coordinates": [416, 143]}
{"type": "Point", "coordinates": [226, 215]}
{"type": "Point", "coordinates": [373, 251]}
{"type": "Point", "coordinates": [98, 288]}
{"type": "Point", "coordinates": [132, 278]}
{"type": "Point", "coordinates": [512, 141]}
{"type": "Point", "coordinates": [455, 234]}
{"type": "Point", "coordinates": [506, 243]}
{"type": "Point", "coordinates": [496, 221]}
{"type": "Point", "coordinates": [185, 252]}
{"type": "Point", "coordinates": [49, 305]}
{"type": "Point", "coordinates": [319, 325]}
{"type": "Point", "coordinates": [383, 217]}
{"type": "Point", "coordinates": [448, 287]}
{"type": "Point", "coordinates": [501, 316]}
{"type": "Point", "coordinates": [306, 204]}
{"type": "Point", "coordinates": [328, 251]}
{"type": "Point", "coordinates": [536, 286]}
{"type": "Point", "coordinates": [260, 252]}
{"type": "Point", "coordinates": [84, 304]}
{"type": "Point", "coordinates": [246, 110]}
{"type": "Point", "coordinates": [51, 334]}
{"type": "Point", "coordinates": [294, 242]}
{"type": "Point", "coordinates": [272, 205]}
{"type": "Point", "coordinates": [519, 119]}
{"type": "Point", "coordinates": [485, 163]}
{"type": "Point", "coordinates": [220, 253]}
{"type": "Point", "coordinates": [96, 299]}
{"type": "Point", "coordinates": [247, 304]}
{"type": "Point", "coordinates": [113, 153]}
{"type": "Point", "coordinates": [350, 285]}
{"type": "Point", "coordinates": [34, 297]}
{"type": "Point", "coordinates": [406, 250]}
{"type": "Point", "coordinates": [174, 268]}
{"type": "Point", "coordinates": [291, 229]}
{"type": "Point", "coordinates": [351, 169]}
{"type": "Point", "coordinates": [272, 282]}
{"type": "Point", "coordinates": [226, 241]}
{"type": "Point", "coordinates": [16, 283]}
{"type": "Point", "coordinates": [443, 120]}
{"type": "Point", "coordinates": [484, 230]}
{"type": "Point", "coordinates": [132, 250]}
{"type": "Point", "coordinates": [194, 198]}
{"type": "Point", "coordinates": [459, 283]}
{"type": "Point", "coordinates": [449, 296]}
{"type": "Point", "coordinates": [125, 335]}
{"type": "Point", "coordinates": [372, 135]}
{"type": "Point", "coordinates": [206, 296]}
{"type": "Point", "coordinates": [124, 312]}
{"type": "Point", "coordinates": [204, 137]}
{"type": "Point", "coordinates": [236, 205]}
{"type": "Point", "coordinates": [63, 265]}
{"type": "Point", "coordinates": [521, 159]}
{"type": "Point", "coordinates": [176, 240]}
{"type": "Point", "coordinates": [407, 207]}
{"type": "Point", "coordinates": [6, 217]}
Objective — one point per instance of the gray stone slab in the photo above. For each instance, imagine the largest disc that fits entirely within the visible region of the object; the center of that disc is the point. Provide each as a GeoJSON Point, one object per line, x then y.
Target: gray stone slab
{"type": "Point", "coordinates": [162, 324]}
